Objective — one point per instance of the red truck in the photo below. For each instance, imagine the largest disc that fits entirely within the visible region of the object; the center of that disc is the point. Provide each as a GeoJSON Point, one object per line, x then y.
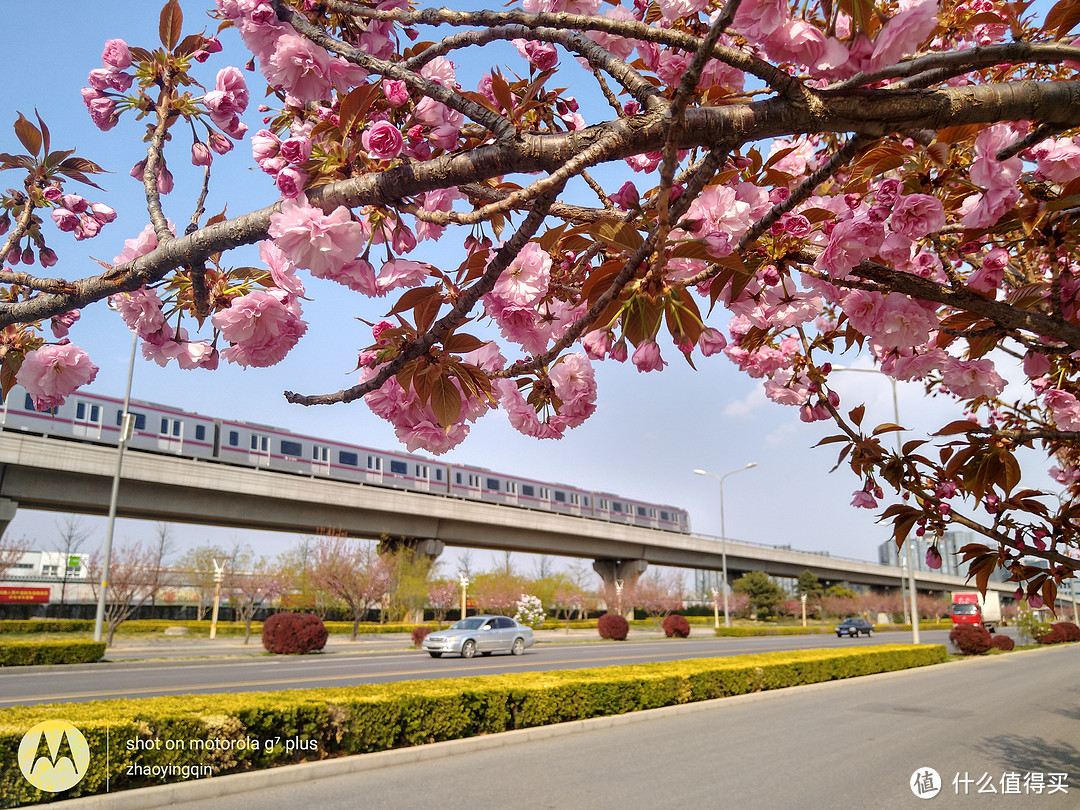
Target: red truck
{"type": "Point", "coordinates": [970, 607]}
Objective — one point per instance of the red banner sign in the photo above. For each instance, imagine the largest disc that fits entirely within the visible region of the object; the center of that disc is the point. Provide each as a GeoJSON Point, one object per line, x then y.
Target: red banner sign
{"type": "Point", "coordinates": [23, 596]}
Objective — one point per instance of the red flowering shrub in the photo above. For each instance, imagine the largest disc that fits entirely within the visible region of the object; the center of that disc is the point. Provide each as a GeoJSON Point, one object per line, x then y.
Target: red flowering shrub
{"type": "Point", "coordinates": [1005, 643]}
{"type": "Point", "coordinates": [1069, 630]}
{"type": "Point", "coordinates": [1056, 635]}
{"type": "Point", "coordinates": [676, 626]}
{"type": "Point", "coordinates": [970, 639]}
{"type": "Point", "coordinates": [418, 634]}
{"type": "Point", "coordinates": [614, 626]}
{"type": "Point", "coordinates": [289, 633]}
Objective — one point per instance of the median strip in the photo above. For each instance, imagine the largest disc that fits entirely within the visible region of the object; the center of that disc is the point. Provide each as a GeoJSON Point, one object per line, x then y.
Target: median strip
{"type": "Point", "coordinates": [151, 741]}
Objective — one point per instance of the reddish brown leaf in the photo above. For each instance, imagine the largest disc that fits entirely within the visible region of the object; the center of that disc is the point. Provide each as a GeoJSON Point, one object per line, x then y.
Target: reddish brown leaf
{"type": "Point", "coordinates": [172, 20]}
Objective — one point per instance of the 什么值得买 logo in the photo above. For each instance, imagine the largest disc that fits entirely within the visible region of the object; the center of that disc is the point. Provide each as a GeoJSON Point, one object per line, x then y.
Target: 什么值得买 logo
{"type": "Point", "coordinates": [54, 756]}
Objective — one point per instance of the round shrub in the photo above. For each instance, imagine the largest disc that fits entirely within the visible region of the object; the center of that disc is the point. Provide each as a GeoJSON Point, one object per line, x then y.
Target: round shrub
{"type": "Point", "coordinates": [1069, 630]}
{"type": "Point", "coordinates": [676, 626]}
{"type": "Point", "coordinates": [970, 639]}
{"type": "Point", "coordinates": [999, 642]}
{"type": "Point", "coordinates": [1055, 636]}
{"type": "Point", "coordinates": [614, 626]}
{"type": "Point", "coordinates": [418, 635]}
{"type": "Point", "coordinates": [289, 633]}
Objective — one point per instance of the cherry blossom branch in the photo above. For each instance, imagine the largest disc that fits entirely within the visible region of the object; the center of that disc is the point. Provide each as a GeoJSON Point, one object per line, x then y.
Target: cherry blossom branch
{"type": "Point", "coordinates": [937, 67]}
{"type": "Point", "coordinates": [154, 161]}
{"type": "Point", "coordinates": [775, 78]}
{"type": "Point", "coordinates": [490, 120]}
{"type": "Point", "coordinates": [22, 225]}
{"type": "Point", "coordinates": [597, 56]}
{"type": "Point", "coordinates": [422, 344]}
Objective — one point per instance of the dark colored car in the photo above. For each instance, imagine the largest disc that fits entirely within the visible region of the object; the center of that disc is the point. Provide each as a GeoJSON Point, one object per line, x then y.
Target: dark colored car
{"type": "Point", "coordinates": [852, 628]}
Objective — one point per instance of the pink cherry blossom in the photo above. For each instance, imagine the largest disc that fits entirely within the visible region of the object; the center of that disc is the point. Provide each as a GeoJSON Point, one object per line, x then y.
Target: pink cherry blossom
{"type": "Point", "coordinates": [525, 281]}
{"type": "Point", "coordinates": [62, 323]}
{"type": "Point", "coordinates": [310, 239]}
{"type": "Point", "coordinates": [261, 328]}
{"type": "Point", "coordinates": [917, 215]}
{"type": "Point", "coordinates": [971, 378]}
{"type": "Point", "coordinates": [903, 34]}
{"type": "Point", "coordinates": [933, 558]}
{"type": "Point", "coordinates": [647, 357]}
{"type": "Point", "coordinates": [1065, 407]}
{"type": "Point", "coordinates": [52, 373]}
{"type": "Point", "coordinates": [116, 55]}
{"type": "Point", "coordinates": [382, 140]}
{"type": "Point", "coordinates": [864, 499]}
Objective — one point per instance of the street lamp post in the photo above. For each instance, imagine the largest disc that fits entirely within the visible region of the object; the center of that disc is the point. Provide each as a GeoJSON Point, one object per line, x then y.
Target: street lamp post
{"type": "Point", "coordinates": [723, 533]}
{"type": "Point", "coordinates": [912, 591]}
{"type": "Point", "coordinates": [127, 423]}
{"type": "Point", "coordinates": [464, 580]}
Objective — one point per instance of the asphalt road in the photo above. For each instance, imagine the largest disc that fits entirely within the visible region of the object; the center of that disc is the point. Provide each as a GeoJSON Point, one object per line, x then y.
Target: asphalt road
{"type": "Point", "coordinates": [1006, 724]}
{"type": "Point", "coordinates": [69, 684]}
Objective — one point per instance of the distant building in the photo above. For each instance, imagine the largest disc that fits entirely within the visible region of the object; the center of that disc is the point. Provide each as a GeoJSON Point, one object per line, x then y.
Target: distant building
{"type": "Point", "coordinates": [49, 565]}
{"type": "Point", "coordinates": [949, 545]}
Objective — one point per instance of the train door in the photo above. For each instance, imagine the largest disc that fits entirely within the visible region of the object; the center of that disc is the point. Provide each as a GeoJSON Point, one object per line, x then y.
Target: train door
{"type": "Point", "coordinates": [171, 435]}
{"type": "Point", "coordinates": [512, 492]}
{"type": "Point", "coordinates": [374, 468]}
{"type": "Point", "coordinates": [259, 454]}
{"type": "Point", "coordinates": [87, 424]}
{"type": "Point", "coordinates": [423, 477]}
{"type": "Point", "coordinates": [320, 459]}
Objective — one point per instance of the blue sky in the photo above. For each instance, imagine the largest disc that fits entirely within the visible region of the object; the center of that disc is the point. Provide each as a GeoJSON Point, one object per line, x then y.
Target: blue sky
{"type": "Point", "coordinates": [650, 431]}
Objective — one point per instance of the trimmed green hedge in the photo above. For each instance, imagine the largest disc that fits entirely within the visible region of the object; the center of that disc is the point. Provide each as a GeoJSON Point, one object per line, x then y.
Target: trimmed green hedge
{"type": "Point", "coordinates": [27, 653]}
{"type": "Point", "coordinates": [190, 736]}
{"type": "Point", "coordinates": [45, 626]}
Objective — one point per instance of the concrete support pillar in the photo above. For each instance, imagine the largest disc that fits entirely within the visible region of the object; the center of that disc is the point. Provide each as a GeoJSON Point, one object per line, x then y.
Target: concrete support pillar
{"type": "Point", "coordinates": [619, 575]}
{"type": "Point", "coordinates": [8, 508]}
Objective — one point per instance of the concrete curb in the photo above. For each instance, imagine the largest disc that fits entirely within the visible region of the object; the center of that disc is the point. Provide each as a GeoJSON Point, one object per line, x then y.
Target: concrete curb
{"type": "Point", "coordinates": [233, 784]}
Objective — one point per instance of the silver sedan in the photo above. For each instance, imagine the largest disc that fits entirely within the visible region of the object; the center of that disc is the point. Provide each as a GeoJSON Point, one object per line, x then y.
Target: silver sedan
{"type": "Point", "coordinates": [480, 634]}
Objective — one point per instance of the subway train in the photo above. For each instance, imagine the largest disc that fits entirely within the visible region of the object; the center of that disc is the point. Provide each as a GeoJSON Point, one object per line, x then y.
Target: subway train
{"type": "Point", "coordinates": [162, 429]}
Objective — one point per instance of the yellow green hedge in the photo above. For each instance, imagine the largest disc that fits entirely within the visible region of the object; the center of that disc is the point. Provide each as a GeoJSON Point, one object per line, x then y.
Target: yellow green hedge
{"type": "Point", "coordinates": [27, 653]}
{"type": "Point", "coordinates": [263, 729]}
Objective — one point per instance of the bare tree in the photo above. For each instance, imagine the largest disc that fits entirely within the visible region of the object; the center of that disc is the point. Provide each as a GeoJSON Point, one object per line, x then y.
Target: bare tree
{"type": "Point", "coordinates": [162, 546]}
{"type": "Point", "coordinates": [133, 581]}
{"type": "Point", "coordinates": [250, 583]}
{"type": "Point", "coordinates": [11, 551]}
{"type": "Point", "coordinates": [351, 570]}
{"type": "Point", "coordinates": [73, 534]}
{"type": "Point", "coordinates": [196, 569]}
{"type": "Point", "coordinates": [658, 595]}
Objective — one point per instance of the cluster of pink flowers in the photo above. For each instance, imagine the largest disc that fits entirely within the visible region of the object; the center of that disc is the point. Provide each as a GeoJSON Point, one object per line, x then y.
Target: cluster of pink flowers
{"type": "Point", "coordinates": [998, 179]}
{"type": "Point", "coordinates": [316, 241]}
{"type": "Point", "coordinates": [227, 102]}
{"type": "Point", "coordinates": [52, 373]}
{"type": "Point", "coordinates": [106, 82]}
{"type": "Point", "coordinates": [144, 314]}
{"type": "Point", "coordinates": [1065, 408]}
{"type": "Point", "coordinates": [288, 61]}
{"type": "Point", "coordinates": [283, 159]}
{"type": "Point", "coordinates": [73, 214]}
{"type": "Point", "coordinates": [415, 424]}
{"type": "Point", "coordinates": [574, 384]}
{"type": "Point", "coordinates": [261, 326]}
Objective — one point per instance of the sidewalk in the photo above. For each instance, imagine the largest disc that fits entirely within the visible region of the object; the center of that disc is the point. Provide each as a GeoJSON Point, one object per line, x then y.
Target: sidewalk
{"type": "Point", "coordinates": [129, 648]}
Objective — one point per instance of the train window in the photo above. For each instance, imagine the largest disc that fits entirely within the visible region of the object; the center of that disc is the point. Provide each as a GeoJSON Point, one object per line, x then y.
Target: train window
{"type": "Point", "coordinates": [140, 420]}
{"type": "Point", "coordinates": [616, 507]}
{"type": "Point", "coordinates": [560, 497]}
{"type": "Point", "coordinates": [289, 448]}
{"type": "Point", "coordinates": [528, 490]}
{"type": "Point", "coordinates": [575, 498]}
{"type": "Point", "coordinates": [664, 515]}
{"type": "Point", "coordinates": [348, 459]}
{"type": "Point", "coordinates": [234, 438]}
{"type": "Point", "coordinates": [399, 468]}
{"type": "Point", "coordinates": [176, 425]}
{"type": "Point", "coordinates": [164, 427]}
{"type": "Point", "coordinates": [200, 433]}
{"type": "Point", "coordinates": [438, 473]}
{"type": "Point", "coordinates": [585, 501]}
{"type": "Point", "coordinates": [642, 511]}
{"type": "Point", "coordinates": [493, 484]}
{"type": "Point", "coordinates": [374, 463]}
{"type": "Point", "coordinates": [457, 477]}
{"type": "Point", "coordinates": [254, 442]}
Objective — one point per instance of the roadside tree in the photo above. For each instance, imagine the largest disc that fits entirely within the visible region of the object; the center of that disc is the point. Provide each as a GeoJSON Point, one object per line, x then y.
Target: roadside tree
{"type": "Point", "coordinates": [133, 582]}
{"type": "Point", "coordinates": [763, 594]}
